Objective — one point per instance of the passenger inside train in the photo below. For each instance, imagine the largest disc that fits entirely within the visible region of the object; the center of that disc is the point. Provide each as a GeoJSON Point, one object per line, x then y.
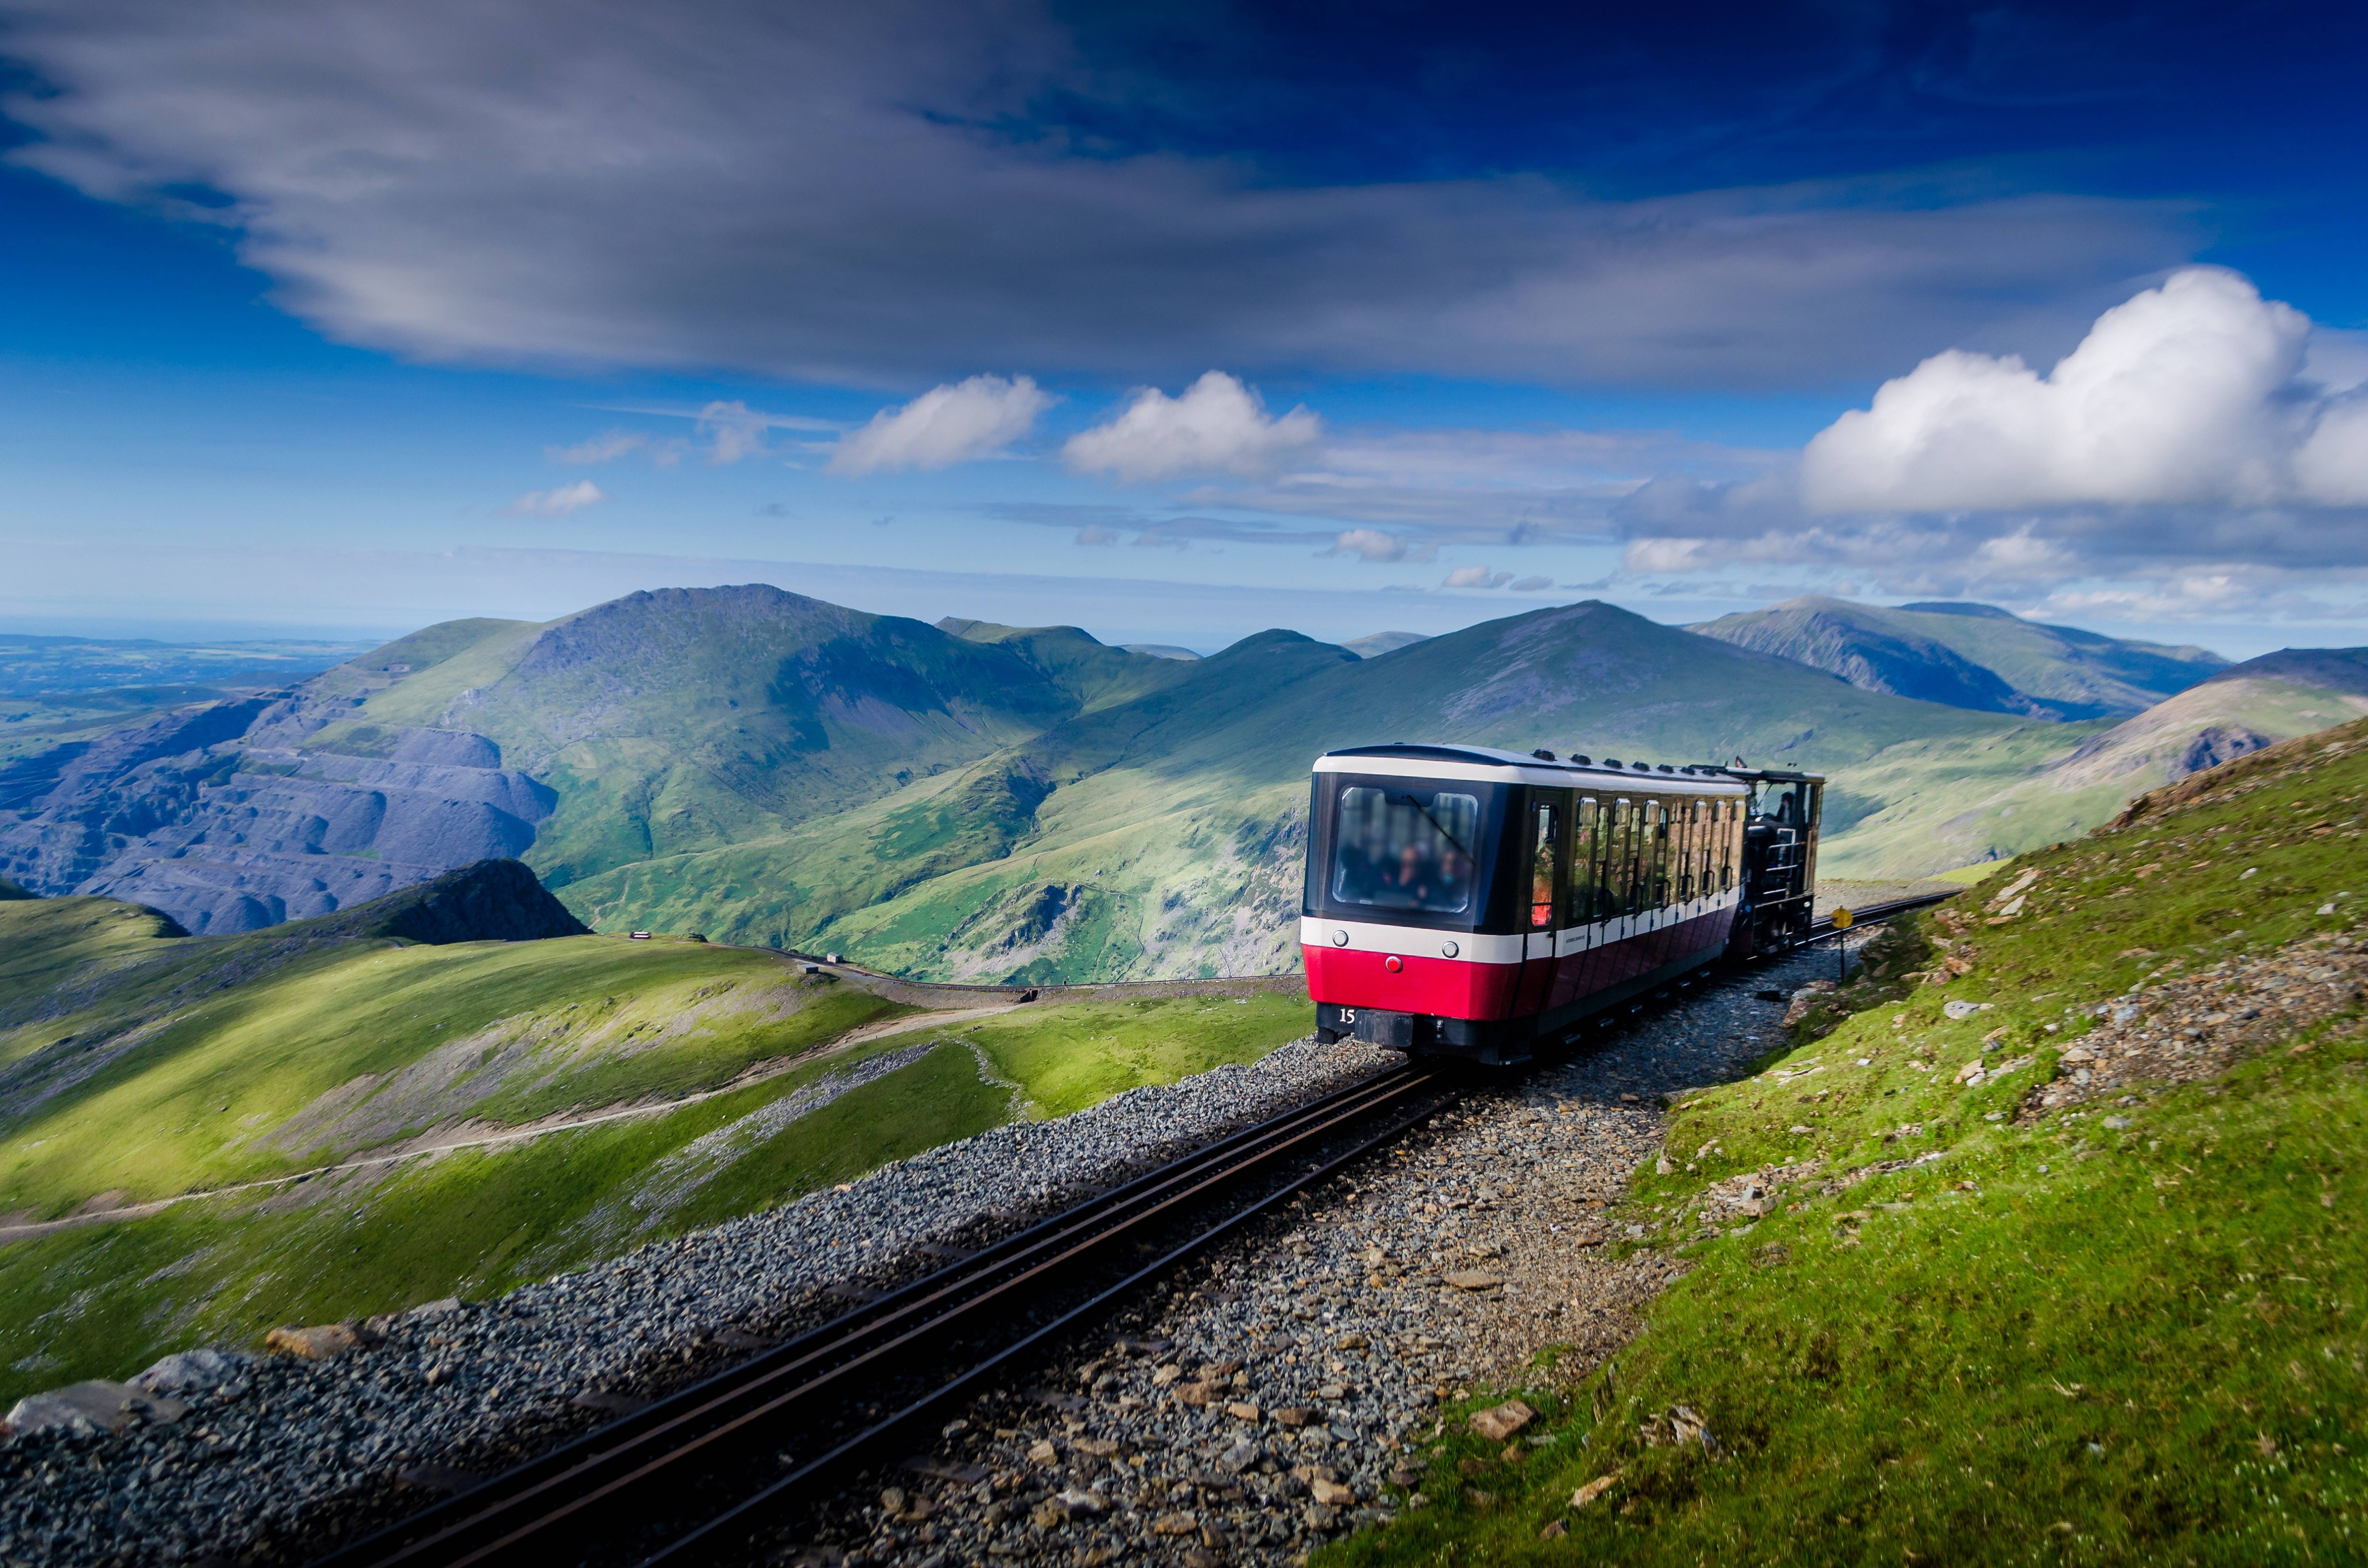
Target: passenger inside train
{"type": "Point", "coordinates": [1400, 848]}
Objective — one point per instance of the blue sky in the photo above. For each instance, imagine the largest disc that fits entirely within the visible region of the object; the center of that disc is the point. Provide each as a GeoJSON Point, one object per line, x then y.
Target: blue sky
{"type": "Point", "coordinates": [355, 318]}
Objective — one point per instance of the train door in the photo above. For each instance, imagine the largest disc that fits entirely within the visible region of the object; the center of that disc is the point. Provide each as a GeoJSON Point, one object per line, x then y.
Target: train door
{"type": "Point", "coordinates": [1627, 884]}
{"type": "Point", "coordinates": [1549, 815]}
{"type": "Point", "coordinates": [1573, 942]}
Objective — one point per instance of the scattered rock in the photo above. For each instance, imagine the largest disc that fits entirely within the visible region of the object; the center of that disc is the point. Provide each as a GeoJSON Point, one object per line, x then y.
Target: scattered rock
{"type": "Point", "coordinates": [186, 1370]}
{"type": "Point", "coordinates": [87, 1409]}
{"type": "Point", "coordinates": [319, 1344]}
{"type": "Point", "coordinates": [1503, 1423]}
{"type": "Point", "coordinates": [1594, 1489]}
{"type": "Point", "coordinates": [1472, 1279]}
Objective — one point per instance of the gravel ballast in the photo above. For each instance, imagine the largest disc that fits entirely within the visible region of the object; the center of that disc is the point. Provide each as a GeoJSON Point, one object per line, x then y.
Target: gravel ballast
{"type": "Point", "coordinates": [1340, 1316]}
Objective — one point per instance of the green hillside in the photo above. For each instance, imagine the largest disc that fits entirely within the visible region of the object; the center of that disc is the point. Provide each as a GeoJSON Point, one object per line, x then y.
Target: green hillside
{"type": "Point", "coordinates": [1948, 805]}
{"type": "Point", "coordinates": [2096, 1304]}
{"type": "Point", "coordinates": [1175, 836]}
{"type": "Point", "coordinates": [466, 1116]}
{"type": "Point", "coordinates": [1969, 655]}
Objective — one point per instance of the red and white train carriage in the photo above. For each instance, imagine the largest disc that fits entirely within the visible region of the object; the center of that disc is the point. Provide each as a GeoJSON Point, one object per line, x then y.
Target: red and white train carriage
{"type": "Point", "coordinates": [1472, 901]}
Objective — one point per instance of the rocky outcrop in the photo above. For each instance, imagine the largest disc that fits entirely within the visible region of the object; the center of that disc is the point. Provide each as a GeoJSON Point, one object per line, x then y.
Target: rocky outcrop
{"type": "Point", "coordinates": [493, 900]}
{"type": "Point", "coordinates": [232, 816]}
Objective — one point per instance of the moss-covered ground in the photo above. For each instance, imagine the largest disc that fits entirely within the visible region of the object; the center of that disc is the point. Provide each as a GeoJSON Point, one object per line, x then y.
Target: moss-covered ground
{"type": "Point", "coordinates": [2066, 1340]}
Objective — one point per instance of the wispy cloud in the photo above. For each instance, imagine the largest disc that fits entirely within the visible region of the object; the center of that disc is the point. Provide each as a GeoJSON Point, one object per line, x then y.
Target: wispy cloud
{"type": "Point", "coordinates": [556, 503]}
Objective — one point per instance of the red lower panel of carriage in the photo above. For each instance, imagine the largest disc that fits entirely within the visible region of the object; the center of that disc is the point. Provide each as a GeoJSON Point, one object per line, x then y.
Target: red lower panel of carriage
{"type": "Point", "coordinates": [1438, 988]}
{"type": "Point", "coordinates": [1460, 988]}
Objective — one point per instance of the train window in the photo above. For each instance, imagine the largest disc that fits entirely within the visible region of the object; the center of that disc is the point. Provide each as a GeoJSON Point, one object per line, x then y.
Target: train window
{"type": "Point", "coordinates": [1657, 891]}
{"type": "Point", "coordinates": [1620, 861]}
{"type": "Point", "coordinates": [1545, 849]}
{"type": "Point", "coordinates": [1688, 830]}
{"type": "Point", "coordinates": [1405, 848]}
{"type": "Point", "coordinates": [1587, 852]}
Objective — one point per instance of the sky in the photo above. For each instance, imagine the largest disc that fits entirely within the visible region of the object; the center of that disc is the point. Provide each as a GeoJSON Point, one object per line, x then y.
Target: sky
{"type": "Point", "coordinates": [1179, 321]}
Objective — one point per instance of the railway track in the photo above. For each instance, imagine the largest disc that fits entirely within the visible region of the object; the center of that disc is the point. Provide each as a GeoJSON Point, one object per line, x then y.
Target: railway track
{"type": "Point", "coordinates": [687, 1479]}
{"type": "Point", "coordinates": [694, 1477]}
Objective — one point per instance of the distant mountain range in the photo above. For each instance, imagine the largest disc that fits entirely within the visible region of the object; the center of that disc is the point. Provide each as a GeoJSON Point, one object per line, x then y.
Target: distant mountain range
{"type": "Point", "coordinates": [976, 800]}
{"type": "Point", "coordinates": [1969, 655]}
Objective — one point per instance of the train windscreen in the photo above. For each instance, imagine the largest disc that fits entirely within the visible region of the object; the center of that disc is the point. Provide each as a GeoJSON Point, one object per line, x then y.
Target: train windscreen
{"type": "Point", "coordinates": [1401, 847]}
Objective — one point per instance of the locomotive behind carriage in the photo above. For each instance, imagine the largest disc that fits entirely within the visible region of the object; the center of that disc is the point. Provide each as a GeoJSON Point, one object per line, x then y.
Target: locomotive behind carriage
{"type": "Point", "coordinates": [1469, 902]}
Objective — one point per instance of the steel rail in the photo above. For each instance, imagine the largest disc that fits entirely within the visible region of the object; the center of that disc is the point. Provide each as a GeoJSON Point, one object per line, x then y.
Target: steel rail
{"type": "Point", "coordinates": [532, 1501]}
{"type": "Point", "coordinates": [536, 1509]}
{"type": "Point", "coordinates": [707, 1540]}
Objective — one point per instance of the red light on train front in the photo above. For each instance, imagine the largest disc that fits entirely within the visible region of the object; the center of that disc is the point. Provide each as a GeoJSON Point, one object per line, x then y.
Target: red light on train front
{"type": "Point", "coordinates": [1394, 963]}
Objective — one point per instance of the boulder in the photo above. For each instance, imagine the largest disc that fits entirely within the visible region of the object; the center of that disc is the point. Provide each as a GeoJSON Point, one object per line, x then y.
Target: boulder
{"type": "Point", "coordinates": [318, 1344]}
{"type": "Point", "coordinates": [87, 1409]}
{"type": "Point", "coordinates": [1503, 1423]}
{"type": "Point", "coordinates": [184, 1370]}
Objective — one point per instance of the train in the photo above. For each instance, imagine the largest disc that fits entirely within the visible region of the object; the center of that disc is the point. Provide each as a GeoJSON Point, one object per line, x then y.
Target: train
{"type": "Point", "coordinates": [1471, 902]}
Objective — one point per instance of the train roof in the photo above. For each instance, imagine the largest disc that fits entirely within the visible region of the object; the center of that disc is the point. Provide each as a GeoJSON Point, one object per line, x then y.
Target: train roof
{"type": "Point", "coordinates": [1492, 762]}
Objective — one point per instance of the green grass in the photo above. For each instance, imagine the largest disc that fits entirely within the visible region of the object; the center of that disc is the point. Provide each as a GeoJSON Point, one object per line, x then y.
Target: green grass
{"type": "Point", "coordinates": [1074, 1054]}
{"type": "Point", "coordinates": [103, 1300]}
{"type": "Point", "coordinates": [598, 1020]}
{"type": "Point", "coordinates": [2060, 1343]}
{"type": "Point", "coordinates": [208, 1048]}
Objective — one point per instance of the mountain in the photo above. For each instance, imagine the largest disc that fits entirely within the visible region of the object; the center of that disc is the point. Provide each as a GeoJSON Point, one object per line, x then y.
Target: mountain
{"type": "Point", "coordinates": [1969, 655]}
{"type": "Point", "coordinates": [1373, 644]}
{"type": "Point", "coordinates": [1167, 839]}
{"type": "Point", "coordinates": [657, 725]}
{"type": "Point", "coordinates": [971, 800]}
{"type": "Point", "coordinates": [1978, 814]}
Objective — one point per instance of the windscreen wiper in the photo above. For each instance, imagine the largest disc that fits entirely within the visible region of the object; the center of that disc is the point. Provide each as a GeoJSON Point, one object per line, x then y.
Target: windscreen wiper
{"type": "Point", "coordinates": [1434, 821]}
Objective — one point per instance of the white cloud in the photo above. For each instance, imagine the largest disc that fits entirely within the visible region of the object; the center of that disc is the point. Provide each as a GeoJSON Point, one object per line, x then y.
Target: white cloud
{"type": "Point", "coordinates": [945, 426]}
{"type": "Point", "coordinates": [734, 431]}
{"type": "Point", "coordinates": [2332, 466]}
{"type": "Point", "coordinates": [1531, 585]}
{"type": "Point", "coordinates": [1218, 425]}
{"type": "Point", "coordinates": [2192, 395]}
{"type": "Point", "coordinates": [601, 449]}
{"type": "Point", "coordinates": [1094, 533]}
{"type": "Point", "coordinates": [556, 503]}
{"type": "Point", "coordinates": [1376, 544]}
{"type": "Point", "coordinates": [1475, 577]}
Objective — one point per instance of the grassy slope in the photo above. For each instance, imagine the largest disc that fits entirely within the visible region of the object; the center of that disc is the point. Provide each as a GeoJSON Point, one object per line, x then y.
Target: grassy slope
{"type": "Point", "coordinates": [611, 1021]}
{"type": "Point", "coordinates": [231, 1037]}
{"type": "Point", "coordinates": [2065, 1342]}
{"type": "Point", "coordinates": [1949, 803]}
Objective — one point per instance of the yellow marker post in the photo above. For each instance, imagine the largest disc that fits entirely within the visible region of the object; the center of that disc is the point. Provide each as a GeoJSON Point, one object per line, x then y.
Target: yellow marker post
{"type": "Point", "coordinates": [1841, 918]}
